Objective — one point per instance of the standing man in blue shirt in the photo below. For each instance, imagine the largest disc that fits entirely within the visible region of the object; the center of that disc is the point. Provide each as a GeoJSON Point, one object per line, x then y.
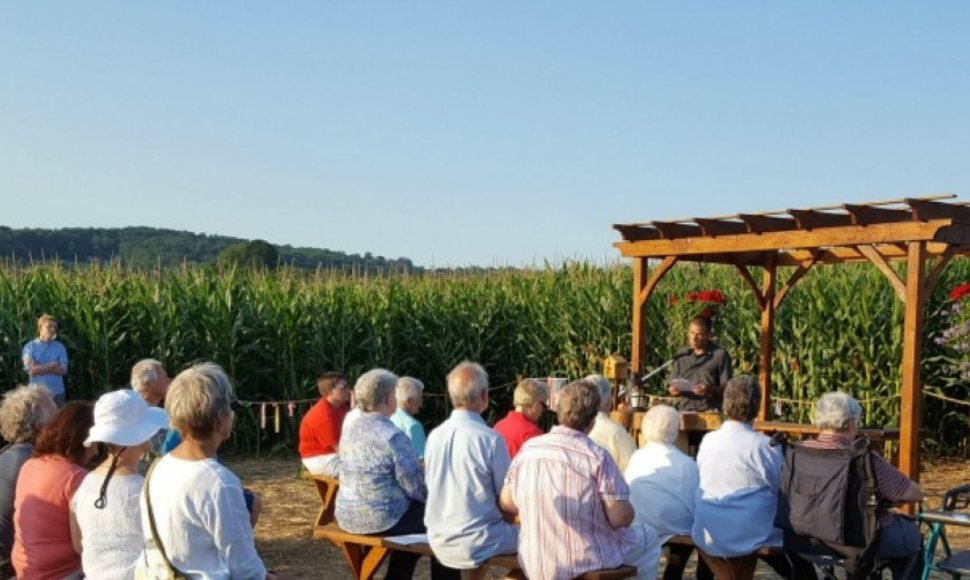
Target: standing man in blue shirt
{"type": "Point", "coordinates": [45, 359]}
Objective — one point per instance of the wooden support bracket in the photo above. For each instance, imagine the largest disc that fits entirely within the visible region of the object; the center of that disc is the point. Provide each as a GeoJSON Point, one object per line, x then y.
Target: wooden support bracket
{"type": "Point", "coordinates": [880, 262]}
{"type": "Point", "coordinates": [797, 275]}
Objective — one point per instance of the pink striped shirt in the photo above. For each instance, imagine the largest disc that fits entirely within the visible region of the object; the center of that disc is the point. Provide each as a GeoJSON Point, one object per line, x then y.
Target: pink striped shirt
{"type": "Point", "coordinates": [558, 482]}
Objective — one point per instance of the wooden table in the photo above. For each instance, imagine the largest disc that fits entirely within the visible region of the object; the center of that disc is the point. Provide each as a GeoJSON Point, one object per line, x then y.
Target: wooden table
{"type": "Point", "coordinates": [884, 441]}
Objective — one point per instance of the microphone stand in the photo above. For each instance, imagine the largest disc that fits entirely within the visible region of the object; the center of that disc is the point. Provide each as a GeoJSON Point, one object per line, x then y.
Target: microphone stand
{"type": "Point", "coordinates": [638, 380]}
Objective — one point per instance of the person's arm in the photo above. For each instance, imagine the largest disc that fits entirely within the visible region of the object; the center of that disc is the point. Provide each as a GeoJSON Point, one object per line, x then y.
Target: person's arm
{"type": "Point", "coordinates": [407, 469]}
{"type": "Point", "coordinates": [59, 367]}
{"type": "Point", "coordinates": [75, 530]}
{"type": "Point", "coordinates": [913, 493]}
{"type": "Point", "coordinates": [506, 502]}
{"type": "Point", "coordinates": [226, 518]}
{"type": "Point", "coordinates": [416, 435]}
{"type": "Point", "coordinates": [619, 512]}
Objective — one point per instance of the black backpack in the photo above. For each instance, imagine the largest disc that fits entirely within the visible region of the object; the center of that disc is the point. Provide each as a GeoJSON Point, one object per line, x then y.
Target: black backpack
{"type": "Point", "coordinates": [829, 504]}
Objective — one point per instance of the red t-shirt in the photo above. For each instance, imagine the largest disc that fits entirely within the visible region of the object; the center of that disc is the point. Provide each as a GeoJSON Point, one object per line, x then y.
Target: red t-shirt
{"type": "Point", "coordinates": [320, 429]}
{"type": "Point", "coordinates": [516, 429]}
{"type": "Point", "coordinates": [42, 545]}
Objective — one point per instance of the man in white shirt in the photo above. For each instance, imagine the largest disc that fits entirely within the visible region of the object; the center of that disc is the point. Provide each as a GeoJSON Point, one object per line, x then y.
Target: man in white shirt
{"type": "Point", "coordinates": [465, 467]}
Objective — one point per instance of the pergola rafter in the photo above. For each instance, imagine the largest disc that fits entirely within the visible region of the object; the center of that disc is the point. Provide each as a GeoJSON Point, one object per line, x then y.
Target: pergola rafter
{"type": "Point", "coordinates": [913, 230]}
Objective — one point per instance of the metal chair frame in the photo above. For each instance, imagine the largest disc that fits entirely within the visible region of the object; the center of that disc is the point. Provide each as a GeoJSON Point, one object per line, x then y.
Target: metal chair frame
{"type": "Point", "coordinates": [955, 564]}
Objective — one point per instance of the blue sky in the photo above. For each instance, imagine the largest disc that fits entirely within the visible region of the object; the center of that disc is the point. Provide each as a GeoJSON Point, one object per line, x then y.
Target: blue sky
{"type": "Point", "coordinates": [456, 133]}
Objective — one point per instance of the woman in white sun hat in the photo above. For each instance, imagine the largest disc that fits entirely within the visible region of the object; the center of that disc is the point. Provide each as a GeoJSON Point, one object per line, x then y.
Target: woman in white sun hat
{"type": "Point", "coordinates": [105, 513]}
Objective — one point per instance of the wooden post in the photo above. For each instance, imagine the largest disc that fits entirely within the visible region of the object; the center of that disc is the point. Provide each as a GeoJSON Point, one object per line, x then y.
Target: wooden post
{"type": "Point", "coordinates": [639, 315]}
{"type": "Point", "coordinates": [911, 415]}
{"type": "Point", "coordinates": [767, 333]}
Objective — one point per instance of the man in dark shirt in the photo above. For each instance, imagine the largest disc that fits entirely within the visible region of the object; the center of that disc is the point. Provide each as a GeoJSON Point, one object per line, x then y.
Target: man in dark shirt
{"type": "Point", "coordinates": [698, 377]}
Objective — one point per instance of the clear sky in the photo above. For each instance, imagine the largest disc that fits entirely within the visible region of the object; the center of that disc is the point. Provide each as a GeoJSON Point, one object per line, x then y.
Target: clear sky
{"type": "Point", "coordinates": [456, 133]}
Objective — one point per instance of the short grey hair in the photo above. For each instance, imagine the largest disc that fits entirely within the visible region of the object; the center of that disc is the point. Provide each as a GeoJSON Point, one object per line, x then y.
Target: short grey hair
{"type": "Point", "coordinates": [373, 387]}
{"type": "Point", "coordinates": [579, 402]}
{"type": "Point", "coordinates": [466, 383]}
{"type": "Point", "coordinates": [407, 388]}
{"type": "Point", "coordinates": [661, 424]}
{"type": "Point", "coordinates": [198, 399]}
{"type": "Point", "coordinates": [145, 372]}
{"type": "Point", "coordinates": [834, 410]}
{"type": "Point", "coordinates": [742, 398]}
{"type": "Point", "coordinates": [528, 392]}
{"type": "Point", "coordinates": [24, 411]}
{"type": "Point", "coordinates": [605, 388]}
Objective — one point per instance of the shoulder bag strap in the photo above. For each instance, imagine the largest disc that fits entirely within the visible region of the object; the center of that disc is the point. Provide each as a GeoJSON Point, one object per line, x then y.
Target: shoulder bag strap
{"type": "Point", "coordinates": [151, 524]}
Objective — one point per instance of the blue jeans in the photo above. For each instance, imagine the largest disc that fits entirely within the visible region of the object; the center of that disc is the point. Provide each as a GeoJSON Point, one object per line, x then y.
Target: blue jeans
{"type": "Point", "coordinates": [899, 543]}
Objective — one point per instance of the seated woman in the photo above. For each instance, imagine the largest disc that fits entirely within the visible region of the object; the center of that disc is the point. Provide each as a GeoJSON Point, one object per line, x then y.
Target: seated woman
{"type": "Point", "coordinates": [663, 482]}
{"type": "Point", "coordinates": [105, 515]}
{"type": "Point", "coordinates": [42, 545]}
{"type": "Point", "coordinates": [22, 414]}
{"type": "Point", "coordinates": [740, 473]}
{"type": "Point", "coordinates": [192, 504]}
{"type": "Point", "coordinates": [838, 416]}
{"type": "Point", "coordinates": [382, 488]}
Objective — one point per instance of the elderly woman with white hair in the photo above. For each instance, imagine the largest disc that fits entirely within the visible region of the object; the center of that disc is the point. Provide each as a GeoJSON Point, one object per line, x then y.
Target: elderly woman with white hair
{"type": "Point", "coordinates": [382, 488]}
{"type": "Point", "coordinates": [409, 393]}
{"type": "Point", "coordinates": [663, 481]}
{"type": "Point", "coordinates": [838, 415]}
{"type": "Point", "coordinates": [194, 515]}
{"type": "Point", "coordinates": [22, 414]}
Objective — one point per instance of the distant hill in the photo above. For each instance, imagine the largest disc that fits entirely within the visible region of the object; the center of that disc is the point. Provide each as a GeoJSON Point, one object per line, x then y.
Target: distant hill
{"type": "Point", "coordinates": [143, 247]}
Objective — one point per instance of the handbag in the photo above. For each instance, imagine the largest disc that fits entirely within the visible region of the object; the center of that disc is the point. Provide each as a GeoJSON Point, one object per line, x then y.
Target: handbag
{"type": "Point", "coordinates": [170, 572]}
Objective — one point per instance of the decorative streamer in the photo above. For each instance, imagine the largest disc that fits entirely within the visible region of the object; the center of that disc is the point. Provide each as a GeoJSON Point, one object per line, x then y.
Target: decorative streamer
{"type": "Point", "coordinates": [291, 407]}
{"type": "Point", "coordinates": [276, 418]}
{"type": "Point", "coordinates": [262, 416]}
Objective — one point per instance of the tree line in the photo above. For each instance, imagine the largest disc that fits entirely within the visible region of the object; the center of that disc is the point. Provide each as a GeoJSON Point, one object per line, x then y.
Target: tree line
{"type": "Point", "coordinates": [145, 247]}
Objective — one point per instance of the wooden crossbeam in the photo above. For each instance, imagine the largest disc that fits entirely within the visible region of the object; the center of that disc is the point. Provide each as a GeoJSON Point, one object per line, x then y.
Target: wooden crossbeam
{"type": "Point", "coordinates": [672, 230]}
{"type": "Point", "coordinates": [936, 230]}
{"type": "Point", "coordinates": [637, 232]}
{"type": "Point", "coordinates": [760, 224]}
{"type": "Point", "coordinates": [810, 219]}
{"type": "Point", "coordinates": [925, 210]}
{"type": "Point", "coordinates": [714, 227]}
{"type": "Point", "coordinates": [864, 215]}
{"type": "Point", "coordinates": [749, 279]}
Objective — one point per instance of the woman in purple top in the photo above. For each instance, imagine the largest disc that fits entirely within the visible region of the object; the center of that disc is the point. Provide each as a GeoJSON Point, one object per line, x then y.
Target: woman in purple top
{"type": "Point", "coordinates": [382, 489]}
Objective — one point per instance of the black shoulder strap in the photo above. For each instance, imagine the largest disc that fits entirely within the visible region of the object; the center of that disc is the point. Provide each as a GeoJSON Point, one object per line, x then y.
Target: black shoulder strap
{"type": "Point", "coordinates": [151, 524]}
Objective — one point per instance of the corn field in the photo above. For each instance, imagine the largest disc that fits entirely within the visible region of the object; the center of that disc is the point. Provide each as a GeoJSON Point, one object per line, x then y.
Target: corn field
{"type": "Point", "coordinates": [839, 328]}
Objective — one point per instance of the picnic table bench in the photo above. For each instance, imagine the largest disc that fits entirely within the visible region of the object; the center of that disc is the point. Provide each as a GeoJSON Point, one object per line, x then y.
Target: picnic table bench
{"type": "Point", "coordinates": [740, 568]}
{"type": "Point", "coordinates": [365, 554]}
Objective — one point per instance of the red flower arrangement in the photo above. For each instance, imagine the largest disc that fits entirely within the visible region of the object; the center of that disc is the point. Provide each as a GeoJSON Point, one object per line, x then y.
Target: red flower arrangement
{"type": "Point", "coordinates": [960, 291]}
{"type": "Point", "coordinates": [957, 336]}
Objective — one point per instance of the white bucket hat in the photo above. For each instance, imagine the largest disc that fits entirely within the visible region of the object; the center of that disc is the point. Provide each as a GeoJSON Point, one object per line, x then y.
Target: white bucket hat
{"type": "Point", "coordinates": [123, 418]}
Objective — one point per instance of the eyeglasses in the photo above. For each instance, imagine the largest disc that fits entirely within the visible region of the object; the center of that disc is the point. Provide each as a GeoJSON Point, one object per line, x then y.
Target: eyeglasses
{"type": "Point", "coordinates": [235, 404]}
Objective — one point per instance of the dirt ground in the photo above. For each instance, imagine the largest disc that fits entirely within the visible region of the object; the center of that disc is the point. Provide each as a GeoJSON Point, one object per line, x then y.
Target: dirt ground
{"type": "Point", "coordinates": [285, 542]}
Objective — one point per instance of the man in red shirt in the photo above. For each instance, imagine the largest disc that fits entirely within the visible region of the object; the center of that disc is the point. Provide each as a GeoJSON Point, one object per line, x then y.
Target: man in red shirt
{"type": "Point", "coordinates": [320, 428]}
{"type": "Point", "coordinates": [530, 400]}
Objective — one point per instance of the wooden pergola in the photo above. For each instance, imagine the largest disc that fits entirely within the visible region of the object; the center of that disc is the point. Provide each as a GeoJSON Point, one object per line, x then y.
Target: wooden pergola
{"type": "Point", "coordinates": [914, 230]}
